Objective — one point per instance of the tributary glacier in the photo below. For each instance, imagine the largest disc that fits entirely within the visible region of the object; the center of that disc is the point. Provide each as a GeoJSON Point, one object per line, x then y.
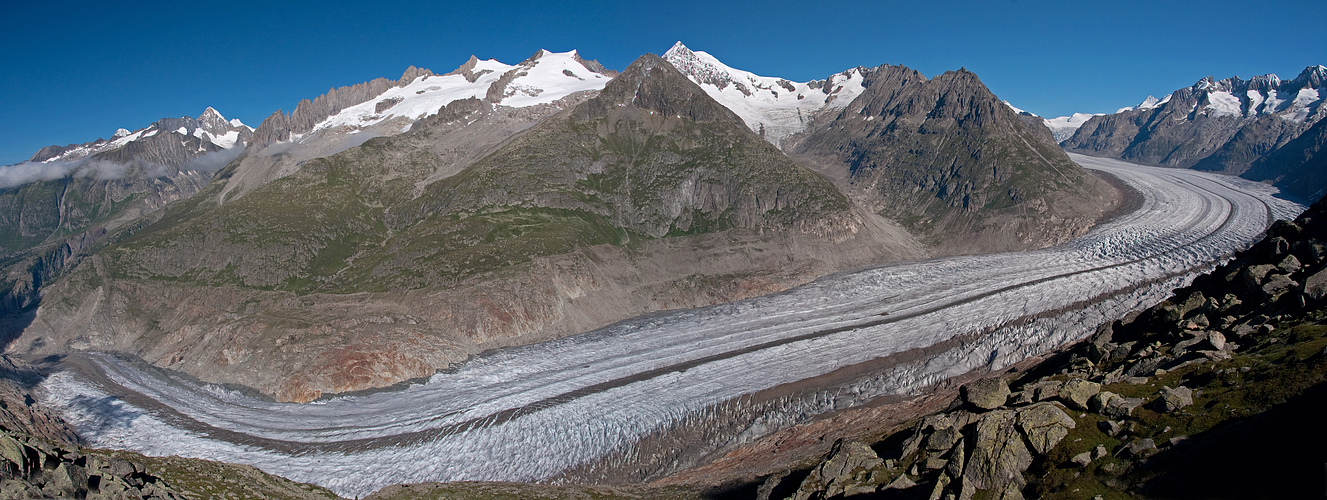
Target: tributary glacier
{"type": "Point", "coordinates": [533, 412]}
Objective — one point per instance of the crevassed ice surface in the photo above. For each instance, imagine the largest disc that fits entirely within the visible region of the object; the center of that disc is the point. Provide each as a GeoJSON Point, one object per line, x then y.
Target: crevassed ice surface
{"type": "Point", "coordinates": [532, 412]}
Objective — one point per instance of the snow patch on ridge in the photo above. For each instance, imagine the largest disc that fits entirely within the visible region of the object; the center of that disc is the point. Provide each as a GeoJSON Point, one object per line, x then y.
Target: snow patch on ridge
{"type": "Point", "coordinates": [773, 107]}
{"type": "Point", "coordinates": [551, 77]}
{"type": "Point", "coordinates": [1223, 104]}
{"type": "Point", "coordinates": [540, 80]}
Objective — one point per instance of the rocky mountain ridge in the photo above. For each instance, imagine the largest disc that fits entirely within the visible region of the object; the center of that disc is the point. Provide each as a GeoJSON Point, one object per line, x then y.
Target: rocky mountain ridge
{"type": "Point", "coordinates": [346, 117]}
{"type": "Point", "coordinates": [774, 108]}
{"type": "Point", "coordinates": [208, 133]}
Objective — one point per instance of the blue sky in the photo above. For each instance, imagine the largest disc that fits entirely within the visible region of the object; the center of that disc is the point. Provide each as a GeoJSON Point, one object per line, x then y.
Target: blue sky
{"type": "Point", "coordinates": [77, 71]}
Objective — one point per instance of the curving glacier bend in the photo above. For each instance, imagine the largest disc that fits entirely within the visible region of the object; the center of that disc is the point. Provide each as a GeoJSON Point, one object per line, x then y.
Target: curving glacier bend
{"type": "Point", "coordinates": [534, 412]}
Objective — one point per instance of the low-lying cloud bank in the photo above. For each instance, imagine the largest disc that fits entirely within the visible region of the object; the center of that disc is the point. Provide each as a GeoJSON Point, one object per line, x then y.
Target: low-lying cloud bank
{"type": "Point", "coordinates": [28, 172]}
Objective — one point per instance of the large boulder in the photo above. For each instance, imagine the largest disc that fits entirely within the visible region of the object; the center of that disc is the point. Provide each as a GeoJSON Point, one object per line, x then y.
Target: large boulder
{"type": "Point", "coordinates": [1139, 448]}
{"type": "Point", "coordinates": [1077, 392]}
{"type": "Point", "coordinates": [1289, 264]}
{"type": "Point", "coordinates": [942, 439]}
{"type": "Point", "coordinates": [1315, 287]}
{"type": "Point", "coordinates": [1278, 284]}
{"type": "Point", "coordinates": [852, 466]}
{"type": "Point", "coordinates": [11, 450]}
{"type": "Point", "coordinates": [1253, 275]}
{"type": "Point", "coordinates": [987, 393]}
{"type": "Point", "coordinates": [1113, 405]}
{"type": "Point", "coordinates": [1045, 425]}
{"type": "Point", "coordinates": [999, 455]}
{"type": "Point", "coordinates": [1173, 399]}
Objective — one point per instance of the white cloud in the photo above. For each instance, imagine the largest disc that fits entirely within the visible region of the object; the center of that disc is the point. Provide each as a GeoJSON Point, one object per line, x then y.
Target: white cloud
{"type": "Point", "coordinates": [29, 172]}
{"type": "Point", "coordinates": [214, 161]}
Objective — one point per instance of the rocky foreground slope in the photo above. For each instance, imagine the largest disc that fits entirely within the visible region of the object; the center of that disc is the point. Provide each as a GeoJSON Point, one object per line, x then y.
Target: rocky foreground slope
{"type": "Point", "coordinates": [1147, 407]}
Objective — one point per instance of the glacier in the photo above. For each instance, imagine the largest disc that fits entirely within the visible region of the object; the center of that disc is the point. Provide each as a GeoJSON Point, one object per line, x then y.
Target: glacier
{"type": "Point", "coordinates": [585, 402]}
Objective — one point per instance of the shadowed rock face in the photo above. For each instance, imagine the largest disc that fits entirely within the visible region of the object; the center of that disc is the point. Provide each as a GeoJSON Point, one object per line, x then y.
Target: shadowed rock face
{"type": "Point", "coordinates": [1215, 125]}
{"type": "Point", "coordinates": [948, 159]}
{"type": "Point", "coordinates": [392, 260]}
{"type": "Point", "coordinates": [1299, 167]}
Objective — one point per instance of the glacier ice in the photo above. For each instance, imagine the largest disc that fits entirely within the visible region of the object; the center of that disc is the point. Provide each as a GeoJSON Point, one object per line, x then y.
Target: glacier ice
{"type": "Point", "coordinates": [533, 412]}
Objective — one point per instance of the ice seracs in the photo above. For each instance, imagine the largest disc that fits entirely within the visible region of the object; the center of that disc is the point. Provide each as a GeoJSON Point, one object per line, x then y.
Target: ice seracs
{"type": "Point", "coordinates": [1063, 127]}
{"type": "Point", "coordinates": [773, 107]}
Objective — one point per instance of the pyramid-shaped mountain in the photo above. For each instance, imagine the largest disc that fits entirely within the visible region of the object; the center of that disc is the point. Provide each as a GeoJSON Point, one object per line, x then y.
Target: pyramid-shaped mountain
{"type": "Point", "coordinates": [949, 159]}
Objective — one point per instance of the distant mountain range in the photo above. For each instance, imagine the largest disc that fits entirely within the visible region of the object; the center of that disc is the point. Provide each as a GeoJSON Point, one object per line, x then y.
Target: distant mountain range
{"type": "Point", "coordinates": [1226, 126]}
{"type": "Point", "coordinates": [383, 231]}
{"type": "Point", "coordinates": [66, 201]}
{"type": "Point", "coordinates": [169, 141]}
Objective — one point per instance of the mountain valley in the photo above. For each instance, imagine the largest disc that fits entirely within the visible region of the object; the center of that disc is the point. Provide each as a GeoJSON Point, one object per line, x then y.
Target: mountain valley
{"type": "Point", "coordinates": [637, 283]}
{"type": "Point", "coordinates": [514, 219]}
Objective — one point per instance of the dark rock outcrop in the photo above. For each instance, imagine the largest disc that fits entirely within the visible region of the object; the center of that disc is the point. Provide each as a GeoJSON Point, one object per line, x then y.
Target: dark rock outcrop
{"type": "Point", "coordinates": [34, 468]}
{"type": "Point", "coordinates": [1298, 167]}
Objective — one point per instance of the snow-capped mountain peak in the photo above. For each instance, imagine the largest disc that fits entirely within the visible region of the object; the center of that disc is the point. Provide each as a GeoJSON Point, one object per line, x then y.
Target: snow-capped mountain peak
{"type": "Point", "coordinates": [1296, 100]}
{"type": "Point", "coordinates": [543, 78]}
{"type": "Point", "coordinates": [1148, 103]}
{"type": "Point", "coordinates": [211, 130]}
{"type": "Point", "coordinates": [211, 113]}
{"type": "Point", "coordinates": [773, 107]}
